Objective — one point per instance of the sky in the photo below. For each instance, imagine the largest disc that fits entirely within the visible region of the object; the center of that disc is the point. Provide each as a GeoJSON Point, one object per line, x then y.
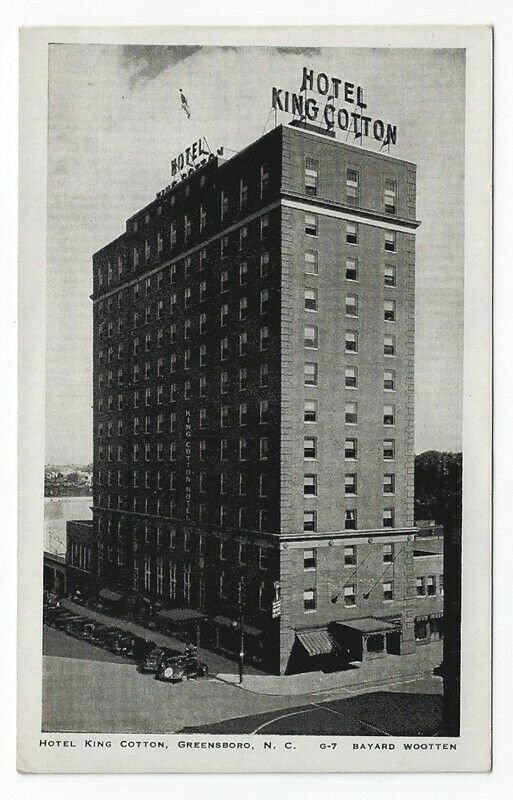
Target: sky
{"type": "Point", "coordinates": [115, 123]}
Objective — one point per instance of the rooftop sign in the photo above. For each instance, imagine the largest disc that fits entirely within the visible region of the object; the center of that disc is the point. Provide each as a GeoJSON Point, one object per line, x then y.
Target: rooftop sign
{"type": "Point", "coordinates": [343, 108]}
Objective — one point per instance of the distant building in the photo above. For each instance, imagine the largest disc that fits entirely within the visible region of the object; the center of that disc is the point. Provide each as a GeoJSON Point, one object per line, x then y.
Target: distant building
{"type": "Point", "coordinates": [254, 404]}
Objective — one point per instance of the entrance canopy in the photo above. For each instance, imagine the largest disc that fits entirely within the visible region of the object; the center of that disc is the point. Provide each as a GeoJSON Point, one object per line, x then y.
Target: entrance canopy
{"type": "Point", "coordinates": [316, 643]}
{"type": "Point", "coordinates": [367, 625]}
{"type": "Point", "coordinates": [108, 594]}
{"type": "Point", "coordinates": [180, 616]}
{"type": "Point", "coordinates": [226, 622]}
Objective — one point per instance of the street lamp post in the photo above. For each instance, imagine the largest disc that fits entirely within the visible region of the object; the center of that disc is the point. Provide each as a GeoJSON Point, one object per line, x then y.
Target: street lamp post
{"type": "Point", "coordinates": [241, 626]}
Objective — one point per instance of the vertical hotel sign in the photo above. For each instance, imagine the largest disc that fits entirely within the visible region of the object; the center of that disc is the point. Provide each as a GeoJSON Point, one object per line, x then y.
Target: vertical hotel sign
{"type": "Point", "coordinates": [188, 471]}
{"type": "Point", "coordinates": [344, 107]}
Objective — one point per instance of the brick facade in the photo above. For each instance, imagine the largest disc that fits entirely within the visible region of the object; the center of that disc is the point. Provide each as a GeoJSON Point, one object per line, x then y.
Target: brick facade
{"type": "Point", "coordinates": [200, 345]}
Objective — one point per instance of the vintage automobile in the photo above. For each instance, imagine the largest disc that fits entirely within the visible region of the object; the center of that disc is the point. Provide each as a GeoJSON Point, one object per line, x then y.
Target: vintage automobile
{"type": "Point", "coordinates": [76, 625]}
{"type": "Point", "coordinates": [62, 621]}
{"type": "Point", "coordinates": [181, 668]}
{"type": "Point", "coordinates": [152, 660]}
{"type": "Point", "coordinates": [137, 648]}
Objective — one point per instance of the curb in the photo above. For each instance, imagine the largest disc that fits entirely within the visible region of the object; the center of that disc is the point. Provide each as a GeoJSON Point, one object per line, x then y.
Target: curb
{"type": "Point", "coordinates": [348, 687]}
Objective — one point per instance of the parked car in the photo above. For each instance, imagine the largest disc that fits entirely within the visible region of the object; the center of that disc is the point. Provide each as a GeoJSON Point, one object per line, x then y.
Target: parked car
{"type": "Point", "coordinates": [104, 636]}
{"type": "Point", "coordinates": [62, 620]}
{"type": "Point", "coordinates": [99, 633]}
{"type": "Point", "coordinates": [140, 648]}
{"type": "Point", "coordinates": [181, 668]}
{"type": "Point", "coordinates": [151, 662]}
{"type": "Point", "coordinates": [75, 626]}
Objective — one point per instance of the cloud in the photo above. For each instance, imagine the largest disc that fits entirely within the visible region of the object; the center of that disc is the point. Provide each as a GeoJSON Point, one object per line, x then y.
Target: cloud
{"type": "Point", "coordinates": [145, 62]}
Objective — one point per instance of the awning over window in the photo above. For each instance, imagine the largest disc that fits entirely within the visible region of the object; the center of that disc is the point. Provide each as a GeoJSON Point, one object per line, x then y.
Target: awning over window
{"type": "Point", "coordinates": [316, 643]}
{"type": "Point", "coordinates": [366, 625]}
{"type": "Point", "coordinates": [180, 616]}
{"type": "Point", "coordinates": [108, 594]}
{"type": "Point", "coordinates": [427, 617]}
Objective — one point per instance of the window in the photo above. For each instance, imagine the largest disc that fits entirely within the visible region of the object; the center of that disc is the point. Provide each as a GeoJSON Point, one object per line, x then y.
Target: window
{"type": "Point", "coordinates": [389, 345]}
{"type": "Point", "coordinates": [243, 414]}
{"type": "Point", "coordinates": [264, 375]}
{"type": "Point", "coordinates": [390, 275]}
{"type": "Point", "coordinates": [264, 448]}
{"type": "Point", "coordinates": [388, 553]}
{"type": "Point", "coordinates": [202, 291]}
{"type": "Point", "coordinates": [243, 448]}
{"type": "Point", "coordinates": [390, 241]}
{"type": "Point", "coordinates": [390, 195]}
{"type": "Point", "coordinates": [243, 307]}
{"type": "Point", "coordinates": [310, 447]}
{"type": "Point", "coordinates": [350, 483]}
{"type": "Point", "coordinates": [264, 411]}
{"type": "Point", "coordinates": [351, 269]}
{"type": "Point", "coordinates": [389, 380]}
{"type": "Point", "coordinates": [389, 449]}
{"type": "Point", "coordinates": [203, 417]}
{"type": "Point", "coordinates": [243, 379]}
{"type": "Point", "coordinates": [311, 177]}
{"type": "Point", "coordinates": [224, 205]}
{"type": "Point", "coordinates": [224, 246]}
{"type": "Point", "coordinates": [243, 193]}
{"type": "Point", "coordinates": [311, 376]}
{"type": "Point", "coordinates": [202, 450]}
{"type": "Point", "coordinates": [225, 411]}
{"type": "Point", "coordinates": [352, 188]}
{"type": "Point", "coordinates": [389, 483]}
{"type": "Point", "coordinates": [264, 179]}
{"type": "Point", "coordinates": [264, 300]}
{"type": "Point", "coordinates": [264, 227]}
{"type": "Point", "coordinates": [224, 449]}
{"type": "Point", "coordinates": [311, 336]}
{"type": "Point", "coordinates": [309, 521]}
{"type": "Point", "coordinates": [312, 262]}
{"type": "Point", "coordinates": [388, 415]}
{"type": "Point", "coordinates": [264, 265]}
{"type": "Point", "coordinates": [264, 338]}
{"type": "Point", "coordinates": [202, 219]}
{"type": "Point", "coordinates": [309, 560]}
{"type": "Point", "coordinates": [350, 519]}
{"type": "Point", "coordinates": [441, 584]}
{"type": "Point", "coordinates": [350, 555]}
{"type": "Point", "coordinates": [351, 414]}
{"type": "Point", "coordinates": [224, 382]}
{"type": "Point", "coordinates": [431, 585]}
{"type": "Point", "coordinates": [309, 600]}
{"type": "Point", "coordinates": [388, 518]}
{"type": "Point", "coordinates": [351, 342]}
{"type": "Point", "coordinates": [224, 314]}
{"type": "Point", "coordinates": [224, 281]}
{"type": "Point", "coordinates": [243, 343]}
{"type": "Point", "coordinates": [224, 349]}
{"type": "Point", "coordinates": [310, 410]}
{"type": "Point", "coordinates": [311, 224]}
{"type": "Point", "coordinates": [420, 584]}
{"type": "Point", "coordinates": [351, 377]}
{"type": "Point", "coordinates": [243, 273]}
{"type": "Point", "coordinates": [310, 485]}
{"type": "Point", "coordinates": [351, 305]}
{"type": "Point", "coordinates": [351, 233]}
{"type": "Point", "coordinates": [311, 300]}
{"type": "Point", "coordinates": [349, 596]}
{"type": "Point", "coordinates": [389, 310]}
{"type": "Point", "coordinates": [350, 449]}
{"type": "Point", "coordinates": [202, 355]}
{"type": "Point", "coordinates": [388, 590]}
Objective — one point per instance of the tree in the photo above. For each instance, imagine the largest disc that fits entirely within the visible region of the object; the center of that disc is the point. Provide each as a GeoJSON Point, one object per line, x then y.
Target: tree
{"type": "Point", "coordinates": [438, 488]}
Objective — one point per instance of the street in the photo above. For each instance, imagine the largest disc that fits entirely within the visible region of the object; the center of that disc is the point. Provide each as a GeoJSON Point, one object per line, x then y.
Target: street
{"type": "Point", "coordinates": [87, 689]}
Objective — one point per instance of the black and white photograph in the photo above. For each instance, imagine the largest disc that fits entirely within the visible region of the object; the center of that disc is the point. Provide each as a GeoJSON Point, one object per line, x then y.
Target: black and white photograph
{"type": "Point", "coordinates": [254, 290]}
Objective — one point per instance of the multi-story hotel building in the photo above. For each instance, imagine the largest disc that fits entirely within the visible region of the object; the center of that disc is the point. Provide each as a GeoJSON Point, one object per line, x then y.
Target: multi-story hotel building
{"type": "Point", "coordinates": [254, 404]}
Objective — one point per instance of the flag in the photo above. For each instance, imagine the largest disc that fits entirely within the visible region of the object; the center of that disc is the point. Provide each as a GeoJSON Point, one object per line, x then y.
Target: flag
{"type": "Point", "coordinates": [185, 104]}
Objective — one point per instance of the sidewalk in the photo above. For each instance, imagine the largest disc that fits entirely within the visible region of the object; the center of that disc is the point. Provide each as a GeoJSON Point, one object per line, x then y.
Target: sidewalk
{"type": "Point", "coordinates": [216, 662]}
{"type": "Point", "coordinates": [378, 671]}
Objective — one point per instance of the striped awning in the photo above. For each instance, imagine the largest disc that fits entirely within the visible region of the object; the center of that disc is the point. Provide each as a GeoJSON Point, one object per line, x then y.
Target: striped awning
{"type": "Point", "coordinates": [316, 643]}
